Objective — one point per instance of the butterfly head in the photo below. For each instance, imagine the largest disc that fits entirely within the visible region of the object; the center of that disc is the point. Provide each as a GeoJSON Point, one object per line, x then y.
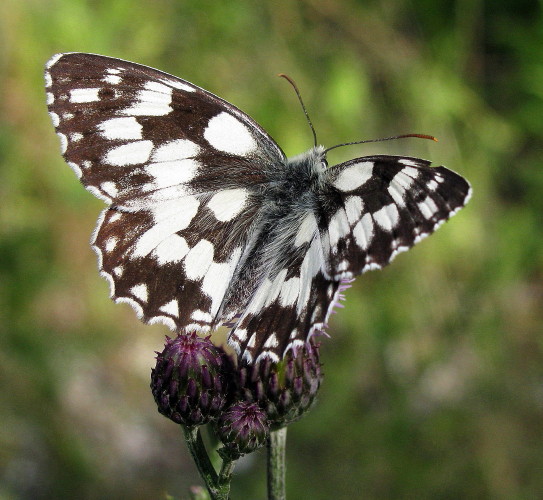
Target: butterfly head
{"type": "Point", "coordinates": [312, 161]}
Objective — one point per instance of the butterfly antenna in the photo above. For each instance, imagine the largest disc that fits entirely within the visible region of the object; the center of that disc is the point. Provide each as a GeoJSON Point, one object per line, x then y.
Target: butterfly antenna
{"type": "Point", "coordinates": [295, 87]}
{"type": "Point", "coordinates": [420, 136]}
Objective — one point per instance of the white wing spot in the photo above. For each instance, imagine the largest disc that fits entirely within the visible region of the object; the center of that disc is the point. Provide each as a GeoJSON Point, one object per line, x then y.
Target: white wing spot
{"type": "Point", "coordinates": [198, 260]}
{"type": "Point", "coordinates": [428, 207]}
{"type": "Point", "coordinates": [252, 341]}
{"type": "Point", "coordinates": [228, 134]}
{"type": "Point", "coordinates": [410, 170]}
{"type": "Point", "coordinates": [338, 228]}
{"type": "Point", "coordinates": [353, 208]}
{"type": "Point", "coordinates": [171, 308]}
{"type": "Point", "coordinates": [271, 341]}
{"type": "Point", "coordinates": [407, 161]}
{"type": "Point", "coordinates": [241, 334]}
{"type": "Point", "coordinates": [170, 173]}
{"type": "Point", "coordinates": [129, 154]}
{"type": "Point", "coordinates": [217, 279]}
{"type": "Point", "coordinates": [115, 217]}
{"type": "Point", "coordinates": [158, 87]}
{"type": "Point", "coordinates": [393, 214]}
{"type": "Point", "coordinates": [110, 244]}
{"type": "Point", "coordinates": [99, 194]}
{"type": "Point", "coordinates": [120, 128]}
{"type": "Point", "coordinates": [354, 176]}
{"type": "Point", "coordinates": [75, 167]}
{"type": "Point", "coordinates": [289, 291]}
{"type": "Point", "coordinates": [112, 79]}
{"type": "Point", "coordinates": [84, 95]}
{"type": "Point", "coordinates": [274, 358]}
{"type": "Point", "coordinates": [170, 217]}
{"type": "Point", "coordinates": [387, 217]}
{"type": "Point", "coordinates": [110, 188]}
{"type": "Point", "coordinates": [202, 316]}
{"type": "Point", "coordinates": [306, 231]}
{"type": "Point", "coordinates": [402, 182]}
{"type": "Point", "coordinates": [396, 192]}
{"type": "Point", "coordinates": [48, 80]}
{"type": "Point", "coordinates": [363, 232]}
{"type": "Point", "coordinates": [175, 150]}
{"type": "Point", "coordinates": [172, 249]}
{"type": "Point", "coordinates": [343, 266]}
{"type": "Point", "coordinates": [228, 203]}
{"type": "Point", "coordinates": [182, 210]}
{"type": "Point", "coordinates": [55, 119]}
{"type": "Point", "coordinates": [140, 292]}
{"type": "Point", "coordinates": [63, 142]}
{"type": "Point", "coordinates": [153, 101]}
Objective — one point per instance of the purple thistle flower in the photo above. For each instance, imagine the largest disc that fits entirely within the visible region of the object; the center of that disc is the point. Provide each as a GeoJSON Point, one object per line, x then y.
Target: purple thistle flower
{"type": "Point", "coordinates": [190, 380]}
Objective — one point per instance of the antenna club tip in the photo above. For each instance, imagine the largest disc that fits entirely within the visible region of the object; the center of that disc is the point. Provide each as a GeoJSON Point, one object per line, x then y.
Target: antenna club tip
{"type": "Point", "coordinates": [420, 136]}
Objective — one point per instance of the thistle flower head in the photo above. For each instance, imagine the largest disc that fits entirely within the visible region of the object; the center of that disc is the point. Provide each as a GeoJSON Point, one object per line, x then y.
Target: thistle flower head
{"type": "Point", "coordinates": [242, 428]}
{"type": "Point", "coordinates": [285, 390]}
{"type": "Point", "coordinates": [190, 380]}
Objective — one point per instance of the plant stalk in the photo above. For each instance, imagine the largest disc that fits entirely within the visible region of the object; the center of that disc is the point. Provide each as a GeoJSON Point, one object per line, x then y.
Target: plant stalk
{"type": "Point", "coordinates": [276, 464]}
{"type": "Point", "coordinates": [218, 487]}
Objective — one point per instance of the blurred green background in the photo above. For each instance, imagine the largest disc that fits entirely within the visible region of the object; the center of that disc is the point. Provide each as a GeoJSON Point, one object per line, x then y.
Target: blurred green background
{"type": "Point", "coordinates": [434, 373]}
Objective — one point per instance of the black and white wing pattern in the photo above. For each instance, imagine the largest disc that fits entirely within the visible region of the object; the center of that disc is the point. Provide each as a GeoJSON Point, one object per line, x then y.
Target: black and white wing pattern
{"type": "Point", "coordinates": [181, 171]}
{"type": "Point", "coordinates": [343, 221]}
{"type": "Point", "coordinates": [209, 223]}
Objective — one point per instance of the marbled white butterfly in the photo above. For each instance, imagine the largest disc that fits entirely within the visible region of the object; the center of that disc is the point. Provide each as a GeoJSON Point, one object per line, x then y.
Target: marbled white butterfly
{"type": "Point", "coordinates": [209, 223]}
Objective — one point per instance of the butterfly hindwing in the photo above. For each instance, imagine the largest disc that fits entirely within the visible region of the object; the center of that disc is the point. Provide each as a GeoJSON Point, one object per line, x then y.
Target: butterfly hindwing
{"type": "Point", "coordinates": [169, 274]}
{"type": "Point", "coordinates": [293, 302]}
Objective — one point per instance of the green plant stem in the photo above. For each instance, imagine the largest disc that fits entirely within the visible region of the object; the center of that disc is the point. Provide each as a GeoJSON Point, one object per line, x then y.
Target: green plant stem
{"type": "Point", "coordinates": [276, 464]}
{"type": "Point", "coordinates": [225, 476]}
{"type": "Point", "coordinates": [219, 488]}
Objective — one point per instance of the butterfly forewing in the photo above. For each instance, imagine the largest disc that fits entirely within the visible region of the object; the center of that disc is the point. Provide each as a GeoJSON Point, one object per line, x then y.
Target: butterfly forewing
{"type": "Point", "coordinates": [181, 169]}
{"type": "Point", "coordinates": [209, 222]}
{"type": "Point", "coordinates": [386, 205]}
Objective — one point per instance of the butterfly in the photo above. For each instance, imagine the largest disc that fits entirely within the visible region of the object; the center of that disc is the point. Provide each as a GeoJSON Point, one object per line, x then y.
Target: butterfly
{"type": "Point", "coordinates": [209, 223]}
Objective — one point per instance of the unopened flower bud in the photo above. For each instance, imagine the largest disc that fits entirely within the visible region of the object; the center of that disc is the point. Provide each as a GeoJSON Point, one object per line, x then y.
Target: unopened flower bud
{"type": "Point", "coordinates": [189, 381]}
{"type": "Point", "coordinates": [242, 428]}
{"type": "Point", "coordinates": [285, 390]}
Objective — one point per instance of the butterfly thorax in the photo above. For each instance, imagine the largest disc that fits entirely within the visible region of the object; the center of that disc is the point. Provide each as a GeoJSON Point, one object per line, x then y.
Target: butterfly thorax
{"type": "Point", "coordinates": [290, 194]}
{"type": "Point", "coordinates": [294, 187]}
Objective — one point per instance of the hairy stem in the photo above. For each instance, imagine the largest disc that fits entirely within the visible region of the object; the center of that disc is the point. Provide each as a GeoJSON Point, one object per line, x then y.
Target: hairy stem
{"type": "Point", "coordinates": [276, 464]}
{"type": "Point", "coordinates": [219, 488]}
{"type": "Point", "coordinates": [225, 476]}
